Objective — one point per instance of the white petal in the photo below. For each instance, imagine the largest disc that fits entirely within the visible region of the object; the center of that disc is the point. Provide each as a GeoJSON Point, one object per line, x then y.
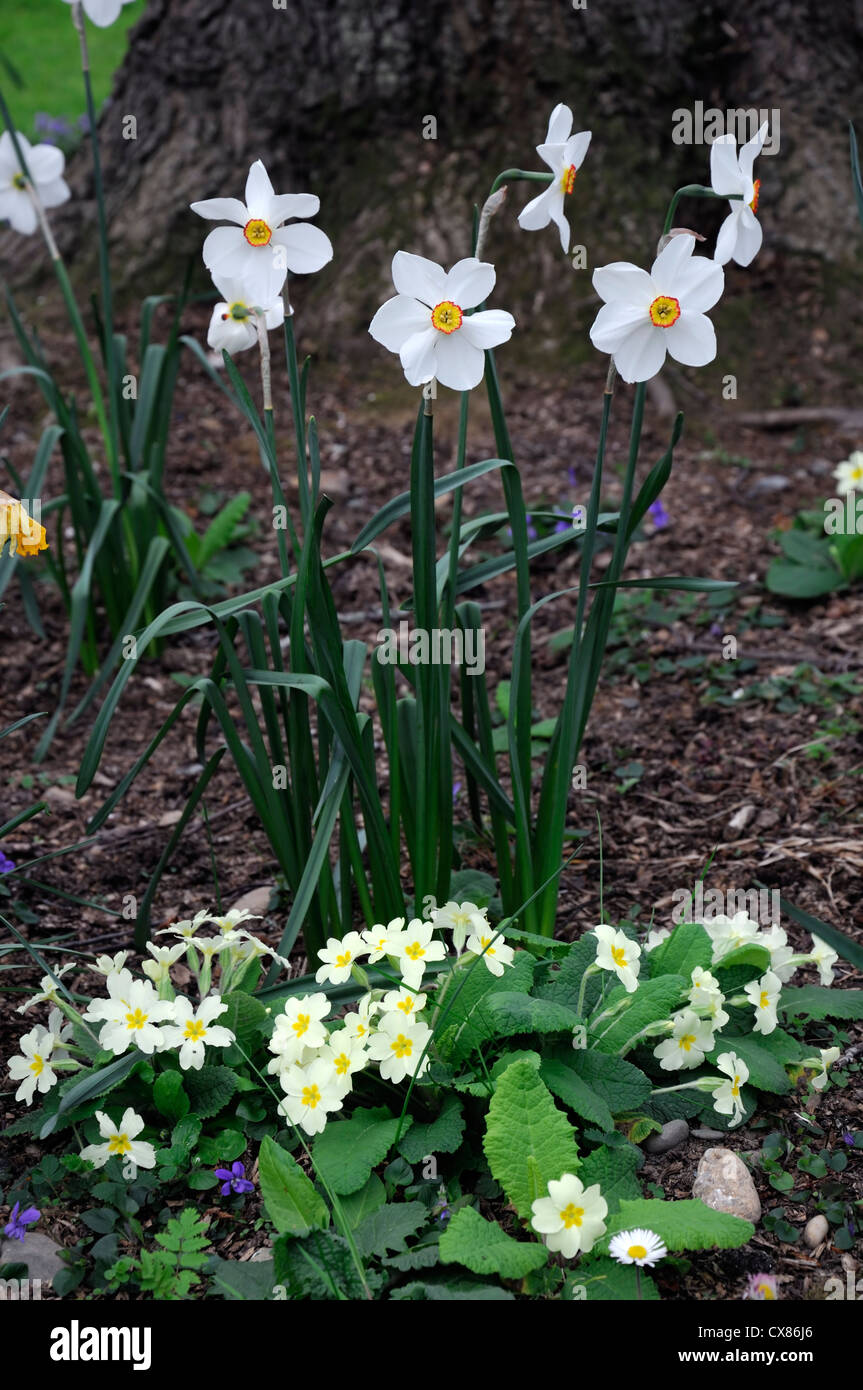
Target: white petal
{"type": "Point", "coordinates": [419, 278]}
{"type": "Point", "coordinates": [725, 175]}
{"type": "Point", "coordinates": [667, 267]}
{"type": "Point", "coordinates": [559, 217]}
{"type": "Point", "coordinates": [102, 12]}
{"type": "Point", "coordinates": [259, 192]}
{"type": "Point", "coordinates": [749, 237]}
{"type": "Point", "coordinates": [641, 354]}
{"type": "Point", "coordinates": [460, 365]}
{"type": "Point", "coordinates": [17, 208]}
{"type": "Point", "coordinates": [614, 323]}
{"type": "Point", "coordinates": [285, 205]}
{"type": "Point", "coordinates": [700, 284]}
{"type": "Point", "coordinates": [691, 340]}
{"type": "Point", "coordinates": [726, 240]}
{"type": "Point", "coordinates": [622, 282]}
{"type": "Point", "coordinates": [217, 209]}
{"type": "Point", "coordinates": [576, 148]}
{"type": "Point", "coordinates": [232, 335]}
{"type": "Point", "coordinates": [537, 213]}
{"type": "Point", "coordinates": [307, 248]}
{"type": "Point", "coordinates": [55, 192]}
{"type": "Point", "coordinates": [143, 1154]}
{"type": "Point", "coordinates": [559, 125]}
{"type": "Point", "coordinates": [469, 282]}
{"type": "Point", "coordinates": [46, 163]}
{"type": "Point", "coordinates": [131, 1124]}
{"type": "Point", "coordinates": [750, 151]}
{"type": "Point", "coordinates": [397, 320]}
{"type": "Point", "coordinates": [417, 355]}
{"type": "Point", "coordinates": [489, 328]}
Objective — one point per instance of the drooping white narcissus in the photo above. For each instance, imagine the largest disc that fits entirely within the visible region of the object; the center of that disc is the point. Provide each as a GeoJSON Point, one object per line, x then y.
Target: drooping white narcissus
{"type": "Point", "coordinates": [428, 324]}
{"type": "Point", "coordinates": [46, 164]}
{"type": "Point", "coordinates": [571, 1217]}
{"type": "Point", "coordinates": [727, 1099]}
{"type": "Point", "coordinates": [690, 1040]}
{"type": "Point", "coordinates": [564, 154]}
{"type": "Point", "coordinates": [849, 473]}
{"type": "Point", "coordinates": [102, 12]}
{"type": "Point", "coordinates": [740, 235]}
{"type": "Point", "coordinates": [646, 316]}
{"type": "Point", "coordinates": [233, 325]}
{"type": "Point", "coordinates": [615, 951]}
{"type": "Point", "coordinates": [121, 1141]}
{"type": "Point", "coordinates": [259, 249]}
{"type": "Point", "coordinates": [637, 1247]}
{"type": "Point", "coordinates": [194, 1030]}
{"type": "Point", "coordinates": [763, 994]}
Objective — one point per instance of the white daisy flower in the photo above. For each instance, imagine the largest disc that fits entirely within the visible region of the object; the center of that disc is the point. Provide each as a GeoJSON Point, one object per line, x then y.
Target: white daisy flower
{"type": "Point", "coordinates": [637, 1247]}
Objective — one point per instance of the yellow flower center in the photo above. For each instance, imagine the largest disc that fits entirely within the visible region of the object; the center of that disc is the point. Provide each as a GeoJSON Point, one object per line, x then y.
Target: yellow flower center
{"type": "Point", "coordinates": [664, 311]}
{"type": "Point", "coordinates": [342, 1063]}
{"type": "Point", "coordinates": [195, 1030]}
{"type": "Point", "coordinates": [311, 1096]}
{"type": "Point", "coordinates": [257, 232]}
{"type": "Point", "coordinates": [756, 195]}
{"type": "Point", "coordinates": [37, 1066]}
{"type": "Point", "coordinates": [483, 941]}
{"type": "Point", "coordinates": [765, 1291]}
{"type": "Point", "coordinates": [571, 1215]}
{"type": "Point", "coordinates": [343, 960]}
{"type": "Point", "coordinates": [402, 1046]}
{"type": "Point", "coordinates": [567, 179]}
{"type": "Point", "coordinates": [764, 1001]}
{"type": "Point", "coordinates": [618, 956]}
{"type": "Point", "coordinates": [361, 1028]}
{"type": "Point", "coordinates": [687, 1041]}
{"type": "Point", "coordinates": [301, 1024]}
{"type": "Point", "coordinates": [406, 1005]}
{"type": "Point", "coordinates": [637, 1252]}
{"type": "Point", "coordinates": [136, 1020]}
{"type": "Point", "coordinates": [415, 950]}
{"type": "Point", "coordinates": [19, 181]}
{"type": "Point", "coordinates": [447, 316]}
{"type": "Point", "coordinates": [119, 1144]}
{"type": "Point", "coordinates": [735, 1087]}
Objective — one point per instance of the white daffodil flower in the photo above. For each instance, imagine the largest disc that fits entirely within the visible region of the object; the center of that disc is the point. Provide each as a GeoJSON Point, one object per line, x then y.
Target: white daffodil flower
{"type": "Point", "coordinates": [564, 154]}
{"type": "Point", "coordinates": [133, 1019]}
{"type": "Point", "coordinates": [159, 968]}
{"type": "Point", "coordinates": [193, 1030]}
{"type": "Point", "coordinates": [397, 1046]}
{"type": "Point", "coordinates": [691, 1039]}
{"type": "Point", "coordinates": [824, 957]}
{"type": "Point", "coordinates": [645, 316]}
{"type": "Point", "coordinates": [33, 1067]}
{"type": "Point", "coordinates": [495, 951]}
{"type": "Point", "coordinates": [415, 950]}
{"type": "Point", "coordinates": [359, 1024]}
{"type": "Point", "coordinates": [462, 919]}
{"type": "Point", "coordinates": [571, 1217]}
{"type": "Point", "coordinates": [102, 12]}
{"type": "Point", "coordinates": [740, 235]}
{"type": "Point", "coordinates": [377, 939]}
{"type": "Point", "coordinates": [726, 1098]}
{"type": "Point", "coordinates": [46, 164]}
{"type": "Point", "coordinates": [764, 994]}
{"type": "Point", "coordinates": [109, 965]}
{"type": "Point", "coordinates": [47, 988]}
{"type": "Point", "coordinates": [849, 474]}
{"type": "Point", "coordinates": [404, 1002]}
{"type": "Point", "coordinates": [616, 952]}
{"type": "Point", "coordinates": [781, 954]}
{"type": "Point", "coordinates": [347, 1055]}
{"type": "Point", "coordinates": [828, 1056]}
{"type": "Point", "coordinates": [727, 933]}
{"type": "Point", "coordinates": [637, 1247]}
{"type": "Point", "coordinates": [427, 322]}
{"type": "Point", "coordinates": [312, 1093]}
{"type": "Point", "coordinates": [340, 957]}
{"type": "Point", "coordinates": [121, 1142]}
{"type": "Point", "coordinates": [260, 250]}
{"type": "Point", "coordinates": [300, 1026]}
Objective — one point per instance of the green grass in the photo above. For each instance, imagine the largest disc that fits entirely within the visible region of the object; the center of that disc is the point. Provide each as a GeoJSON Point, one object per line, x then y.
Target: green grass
{"type": "Point", "coordinates": [39, 39]}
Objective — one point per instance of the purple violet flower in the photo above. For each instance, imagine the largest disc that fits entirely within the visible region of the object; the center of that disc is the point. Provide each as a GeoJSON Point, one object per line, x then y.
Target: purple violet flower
{"type": "Point", "coordinates": [16, 1229]}
{"type": "Point", "coordinates": [6, 865]}
{"type": "Point", "coordinates": [848, 1137]}
{"type": "Point", "coordinates": [570, 473]}
{"type": "Point", "coordinates": [658, 515]}
{"type": "Point", "coordinates": [234, 1179]}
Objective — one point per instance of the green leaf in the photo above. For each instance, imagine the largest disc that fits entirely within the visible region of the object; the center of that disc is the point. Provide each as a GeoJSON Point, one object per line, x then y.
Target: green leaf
{"type": "Point", "coordinates": [90, 1085]}
{"type": "Point", "coordinates": [564, 982]}
{"type": "Point", "coordinates": [802, 581]}
{"type": "Point", "coordinates": [614, 1170]}
{"type": "Point", "coordinates": [565, 1083]}
{"type": "Point", "coordinates": [220, 531]}
{"type": "Point", "coordinates": [528, 1141]}
{"type": "Point", "coordinates": [385, 1230]}
{"type": "Point", "coordinates": [459, 1289]}
{"type": "Point", "coordinates": [356, 1207]}
{"type": "Point", "coordinates": [222, 1148]}
{"type": "Point", "coordinates": [653, 1000]}
{"type": "Point", "coordinates": [686, 1225]}
{"type": "Point", "coordinates": [473, 886]}
{"type": "Point", "coordinates": [203, 1182]}
{"type": "Point", "coordinates": [745, 955]}
{"type": "Point", "coordinates": [292, 1204]}
{"type": "Point", "coordinates": [607, 1281]}
{"type": "Point", "coordinates": [347, 1150]}
{"type": "Point", "coordinates": [482, 1247]}
{"type": "Point", "coordinates": [521, 1013]}
{"type": "Point", "coordinates": [247, 1280]}
{"type": "Point", "coordinates": [469, 1022]}
{"type": "Point", "coordinates": [169, 1097]}
{"type": "Point", "coordinates": [185, 1135]}
{"type": "Point", "coordinates": [210, 1089]}
{"type": "Point", "coordinates": [688, 946]}
{"type": "Point", "coordinates": [764, 1071]}
{"type": "Point", "coordinates": [819, 1001]}
{"type": "Point", "coordinates": [619, 1083]}
{"type": "Point", "coordinates": [442, 1136]}
{"type": "Point", "coordinates": [246, 1017]}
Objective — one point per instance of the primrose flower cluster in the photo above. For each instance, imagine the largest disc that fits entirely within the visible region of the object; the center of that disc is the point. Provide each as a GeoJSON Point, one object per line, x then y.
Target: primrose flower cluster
{"type": "Point", "coordinates": [315, 1063]}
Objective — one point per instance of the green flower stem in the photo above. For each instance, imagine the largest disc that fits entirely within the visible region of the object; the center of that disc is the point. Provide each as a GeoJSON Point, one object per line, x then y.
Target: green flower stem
{"type": "Point", "coordinates": [699, 1085]}
{"type": "Point", "coordinates": [653, 1030]}
{"type": "Point", "coordinates": [693, 190]}
{"type": "Point", "coordinates": [591, 970]}
{"type": "Point", "coordinates": [297, 410]}
{"type": "Point", "coordinates": [526, 175]}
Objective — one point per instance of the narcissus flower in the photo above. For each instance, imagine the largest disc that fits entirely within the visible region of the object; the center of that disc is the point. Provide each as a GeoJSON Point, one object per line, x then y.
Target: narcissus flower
{"type": "Point", "coordinates": [691, 1039]}
{"type": "Point", "coordinates": [194, 1030]}
{"type": "Point", "coordinates": [493, 950]}
{"type": "Point", "coordinates": [825, 958]}
{"type": "Point", "coordinates": [416, 950]}
{"type": "Point", "coordinates": [24, 535]}
{"type": "Point", "coordinates": [33, 1067]}
{"type": "Point", "coordinates": [637, 1247]}
{"type": "Point", "coordinates": [102, 12]}
{"type": "Point", "coordinates": [616, 952]}
{"type": "Point", "coordinates": [462, 919]}
{"type": "Point", "coordinates": [564, 154]}
{"type": "Point", "coordinates": [645, 316]}
{"type": "Point", "coordinates": [133, 1019]}
{"type": "Point", "coordinates": [849, 474]}
{"type": "Point", "coordinates": [312, 1093]}
{"type": "Point", "coordinates": [260, 250]}
{"type": "Point", "coordinates": [233, 325]}
{"type": "Point", "coordinates": [121, 1142]}
{"type": "Point", "coordinates": [46, 164]}
{"type": "Point", "coordinates": [340, 957]}
{"type": "Point", "coordinates": [571, 1217]}
{"type": "Point", "coordinates": [300, 1026]}
{"type": "Point", "coordinates": [398, 1045]}
{"type": "Point", "coordinates": [740, 235]}
{"type": "Point", "coordinates": [427, 322]}
{"type": "Point", "coordinates": [764, 994]}
{"type": "Point", "coordinates": [726, 1098]}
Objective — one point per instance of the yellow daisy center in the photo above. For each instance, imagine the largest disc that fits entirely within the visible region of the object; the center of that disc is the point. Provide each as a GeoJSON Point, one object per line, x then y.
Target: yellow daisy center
{"type": "Point", "coordinates": [119, 1144]}
{"type": "Point", "coordinates": [446, 316]}
{"type": "Point", "coordinates": [258, 232]}
{"type": "Point", "coordinates": [311, 1096]}
{"type": "Point", "coordinates": [756, 195]}
{"type": "Point", "coordinates": [415, 950]}
{"type": "Point", "coordinates": [136, 1020]}
{"type": "Point", "coordinates": [567, 179]}
{"type": "Point", "coordinates": [687, 1041]}
{"type": "Point", "coordinates": [37, 1066]}
{"type": "Point", "coordinates": [195, 1030]}
{"type": "Point", "coordinates": [301, 1024]}
{"type": "Point", "coordinates": [637, 1252]}
{"type": "Point", "coordinates": [618, 955]}
{"type": "Point", "coordinates": [571, 1215]}
{"type": "Point", "coordinates": [402, 1046]}
{"type": "Point", "coordinates": [664, 311]}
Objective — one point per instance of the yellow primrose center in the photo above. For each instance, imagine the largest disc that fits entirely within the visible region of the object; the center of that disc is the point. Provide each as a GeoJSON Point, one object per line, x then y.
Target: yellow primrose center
{"type": "Point", "coordinates": [664, 311]}
{"type": "Point", "coordinates": [311, 1096]}
{"type": "Point", "coordinates": [37, 1066]}
{"type": "Point", "coordinates": [756, 195]}
{"type": "Point", "coordinates": [195, 1030]}
{"type": "Point", "coordinates": [415, 950]}
{"type": "Point", "coordinates": [136, 1020]}
{"type": "Point", "coordinates": [687, 1041]}
{"type": "Point", "coordinates": [16, 525]}
{"type": "Point", "coordinates": [764, 1001]}
{"type": "Point", "coordinates": [19, 181]}
{"type": "Point", "coordinates": [301, 1024]}
{"type": "Point", "coordinates": [344, 960]}
{"type": "Point", "coordinates": [119, 1144]}
{"type": "Point", "coordinates": [735, 1087]}
{"type": "Point", "coordinates": [446, 316]}
{"type": "Point", "coordinates": [402, 1046]}
{"type": "Point", "coordinates": [406, 1005]}
{"type": "Point", "coordinates": [342, 1063]}
{"type": "Point", "coordinates": [637, 1252]}
{"type": "Point", "coordinates": [361, 1030]}
{"type": "Point", "coordinates": [856, 476]}
{"type": "Point", "coordinates": [618, 956]}
{"type": "Point", "coordinates": [571, 1215]}
{"type": "Point", "coordinates": [483, 941]}
{"type": "Point", "coordinates": [258, 232]}
{"type": "Point", "coordinates": [567, 179]}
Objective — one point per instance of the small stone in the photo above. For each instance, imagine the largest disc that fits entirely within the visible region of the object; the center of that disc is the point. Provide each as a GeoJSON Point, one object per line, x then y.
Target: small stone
{"type": "Point", "coordinates": [256, 901]}
{"type": "Point", "coordinates": [671, 1136]}
{"type": "Point", "coordinates": [259, 1256]}
{"type": "Point", "coordinates": [724, 1183]}
{"type": "Point", "coordinates": [705, 1133]}
{"type": "Point", "coordinates": [815, 1231]}
{"type": "Point", "coordinates": [38, 1252]}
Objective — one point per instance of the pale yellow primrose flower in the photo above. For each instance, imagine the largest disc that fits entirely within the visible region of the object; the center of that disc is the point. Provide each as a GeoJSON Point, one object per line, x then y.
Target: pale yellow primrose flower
{"type": "Point", "coordinates": [340, 957]}
{"type": "Point", "coordinates": [416, 950]}
{"type": "Point", "coordinates": [159, 968]}
{"type": "Point", "coordinates": [616, 952]}
{"type": "Point", "coordinates": [383, 941]}
{"type": "Point", "coordinates": [187, 928]}
{"type": "Point", "coordinates": [823, 956]}
{"type": "Point", "coordinates": [312, 1093]}
{"type": "Point", "coordinates": [726, 1098]}
{"type": "Point", "coordinates": [109, 965]}
{"type": "Point", "coordinates": [118, 984]}
{"type": "Point", "coordinates": [781, 954]}
{"type": "Point", "coordinates": [346, 1054]}
{"type": "Point", "coordinates": [656, 938]}
{"type": "Point", "coordinates": [233, 919]}
{"type": "Point", "coordinates": [849, 475]}
{"type": "Point", "coordinates": [727, 933]}
{"type": "Point", "coordinates": [463, 920]}
{"type": "Point", "coordinates": [132, 1021]}
{"type": "Point", "coordinates": [299, 1026]}
{"type": "Point", "coordinates": [48, 989]}
{"type": "Point", "coordinates": [571, 1217]}
{"type": "Point", "coordinates": [121, 1142]}
{"type": "Point", "coordinates": [398, 1045]}
{"type": "Point", "coordinates": [764, 994]}
{"type": "Point", "coordinates": [691, 1039]}
{"type": "Point", "coordinates": [494, 951]}
{"type": "Point", "coordinates": [403, 1001]}
{"type": "Point", "coordinates": [194, 1030]}
{"type": "Point", "coordinates": [359, 1024]}
{"type": "Point", "coordinates": [33, 1067]}
{"type": "Point", "coordinates": [828, 1056]}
